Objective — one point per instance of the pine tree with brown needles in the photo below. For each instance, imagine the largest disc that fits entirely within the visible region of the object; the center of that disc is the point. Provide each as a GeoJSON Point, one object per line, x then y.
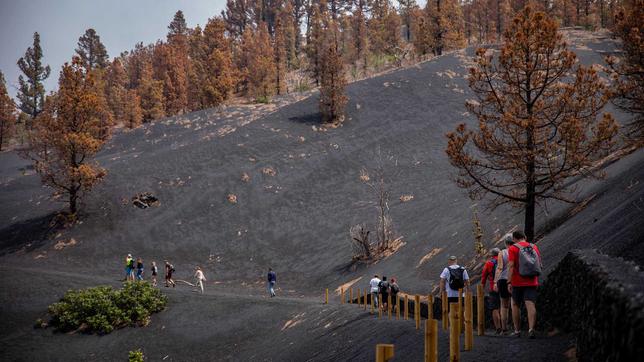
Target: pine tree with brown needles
{"type": "Point", "coordinates": [91, 51]}
{"type": "Point", "coordinates": [68, 133]}
{"type": "Point", "coordinates": [628, 73]}
{"type": "Point", "coordinates": [116, 82]}
{"type": "Point", "coordinates": [132, 112]}
{"type": "Point", "coordinates": [538, 117]}
{"type": "Point", "coordinates": [8, 115]}
{"type": "Point", "coordinates": [151, 93]}
{"type": "Point", "coordinates": [260, 72]}
{"type": "Point", "coordinates": [332, 80]}
{"type": "Point", "coordinates": [281, 56]}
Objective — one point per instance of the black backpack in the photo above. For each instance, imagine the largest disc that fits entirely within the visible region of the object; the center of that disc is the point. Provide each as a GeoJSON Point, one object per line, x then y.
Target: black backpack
{"type": "Point", "coordinates": [384, 287]}
{"type": "Point", "coordinates": [394, 289]}
{"type": "Point", "coordinates": [456, 280]}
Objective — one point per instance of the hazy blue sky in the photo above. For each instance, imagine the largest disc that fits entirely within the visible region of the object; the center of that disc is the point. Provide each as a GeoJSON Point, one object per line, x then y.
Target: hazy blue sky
{"type": "Point", "coordinates": [119, 23]}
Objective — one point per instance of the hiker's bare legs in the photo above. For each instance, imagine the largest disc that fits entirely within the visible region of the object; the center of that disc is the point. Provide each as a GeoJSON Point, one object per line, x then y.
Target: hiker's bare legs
{"type": "Point", "coordinates": [497, 319]}
{"type": "Point", "coordinates": [516, 316]}
{"type": "Point", "coordinates": [505, 304]}
{"type": "Point", "coordinates": [532, 314]}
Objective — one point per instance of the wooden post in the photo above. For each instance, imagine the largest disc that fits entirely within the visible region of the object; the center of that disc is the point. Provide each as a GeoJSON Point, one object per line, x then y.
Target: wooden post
{"type": "Point", "coordinates": [431, 340]}
{"type": "Point", "coordinates": [444, 308]}
{"type": "Point", "coordinates": [365, 300]}
{"type": "Point", "coordinates": [397, 307]}
{"type": "Point", "coordinates": [461, 328]}
{"type": "Point", "coordinates": [469, 328]}
{"type": "Point", "coordinates": [359, 296]}
{"type": "Point", "coordinates": [480, 310]}
{"type": "Point", "coordinates": [380, 309]}
{"type": "Point", "coordinates": [384, 352]}
{"type": "Point", "coordinates": [406, 307]}
{"type": "Point", "coordinates": [389, 305]}
{"type": "Point", "coordinates": [326, 296]}
{"type": "Point", "coordinates": [350, 295]}
{"type": "Point", "coordinates": [417, 310]}
{"type": "Point", "coordinates": [372, 304]}
{"type": "Point", "coordinates": [430, 306]}
{"type": "Point", "coordinates": [453, 333]}
{"type": "Point", "coordinates": [341, 296]}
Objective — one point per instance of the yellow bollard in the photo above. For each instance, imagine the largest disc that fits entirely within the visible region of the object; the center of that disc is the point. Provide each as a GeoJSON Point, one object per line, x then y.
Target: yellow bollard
{"type": "Point", "coordinates": [372, 304]}
{"type": "Point", "coordinates": [350, 295]}
{"type": "Point", "coordinates": [469, 328]}
{"type": "Point", "coordinates": [431, 340]}
{"type": "Point", "coordinates": [389, 305]}
{"type": "Point", "coordinates": [430, 306]}
{"type": "Point", "coordinates": [365, 300]}
{"type": "Point", "coordinates": [444, 308]}
{"type": "Point", "coordinates": [397, 307]}
{"type": "Point", "coordinates": [384, 352]}
{"type": "Point", "coordinates": [460, 312]}
{"type": "Point", "coordinates": [480, 310]}
{"type": "Point", "coordinates": [417, 310]}
{"type": "Point", "coordinates": [326, 296]}
{"type": "Point", "coordinates": [380, 309]}
{"type": "Point", "coordinates": [453, 333]}
{"type": "Point", "coordinates": [406, 307]}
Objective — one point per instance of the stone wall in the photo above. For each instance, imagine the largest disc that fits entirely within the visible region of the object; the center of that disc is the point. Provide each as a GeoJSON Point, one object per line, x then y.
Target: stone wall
{"type": "Point", "coordinates": [600, 299]}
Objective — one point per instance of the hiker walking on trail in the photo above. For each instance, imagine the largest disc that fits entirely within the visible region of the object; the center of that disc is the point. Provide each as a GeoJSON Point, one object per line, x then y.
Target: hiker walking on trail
{"type": "Point", "coordinates": [169, 269]}
{"type": "Point", "coordinates": [139, 269]}
{"type": "Point", "coordinates": [200, 278]}
{"type": "Point", "coordinates": [493, 301]}
{"type": "Point", "coordinates": [155, 272]}
{"type": "Point", "coordinates": [453, 278]}
{"type": "Point", "coordinates": [394, 289]}
{"type": "Point", "coordinates": [374, 284]}
{"type": "Point", "coordinates": [524, 268]}
{"type": "Point", "coordinates": [501, 282]}
{"type": "Point", "coordinates": [384, 292]}
{"type": "Point", "coordinates": [129, 266]}
{"type": "Point", "coordinates": [272, 278]}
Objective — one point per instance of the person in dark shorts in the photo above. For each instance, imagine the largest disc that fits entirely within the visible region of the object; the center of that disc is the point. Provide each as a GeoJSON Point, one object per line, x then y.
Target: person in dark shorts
{"type": "Point", "coordinates": [384, 292]}
{"type": "Point", "coordinates": [139, 269]}
{"type": "Point", "coordinates": [169, 269]}
{"type": "Point", "coordinates": [155, 272]}
{"type": "Point", "coordinates": [501, 282]}
{"type": "Point", "coordinates": [271, 279]}
{"type": "Point", "coordinates": [492, 301]}
{"type": "Point", "coordinates": [394, 289]}
{"type": "Point", "coordinates": [522, 288]}
{"type": "Point", "coordinates": [453, 278]}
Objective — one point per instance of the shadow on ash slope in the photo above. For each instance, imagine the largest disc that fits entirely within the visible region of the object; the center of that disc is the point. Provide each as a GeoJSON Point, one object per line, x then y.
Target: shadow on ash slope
{"type": "Point", "coordinates": [238, 195]}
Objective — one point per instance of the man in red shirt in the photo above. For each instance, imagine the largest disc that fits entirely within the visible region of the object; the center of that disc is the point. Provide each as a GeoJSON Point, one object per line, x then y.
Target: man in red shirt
{"type": "Point", "coordinates": [523, 289]}
{"type": "Point", "coordinates": [493, 301]}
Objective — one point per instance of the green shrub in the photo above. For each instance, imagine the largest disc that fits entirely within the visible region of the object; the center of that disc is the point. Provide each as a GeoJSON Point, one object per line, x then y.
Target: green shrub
{"type": "Point", "coordinates": [102, 309]}
{"type": "Point", "coordinates": [262, 99]}
{"type": "Point", "coordinates": [136, 356]}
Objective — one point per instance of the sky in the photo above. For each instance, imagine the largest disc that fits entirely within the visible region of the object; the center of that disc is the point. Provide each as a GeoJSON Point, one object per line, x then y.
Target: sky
{"type": "Point", "coordinates": [120, 24]}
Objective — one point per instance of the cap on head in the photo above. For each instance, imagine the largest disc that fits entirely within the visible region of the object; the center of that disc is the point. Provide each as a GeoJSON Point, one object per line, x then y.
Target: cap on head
{"type": "Point", "coordinates": [508, 239]}
{"type": "Point", "coordinates": [453, 258]}
{"type": "Point", "coordinates": [495, 251]}
{"type": "Point", "coordinates": [129, 255]}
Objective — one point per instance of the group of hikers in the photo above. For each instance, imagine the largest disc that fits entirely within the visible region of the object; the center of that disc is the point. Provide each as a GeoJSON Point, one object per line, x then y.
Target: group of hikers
{"type": "Point", "coordinates": [511, 276]}
{"type": "Point", "coordinates": [134, 270]}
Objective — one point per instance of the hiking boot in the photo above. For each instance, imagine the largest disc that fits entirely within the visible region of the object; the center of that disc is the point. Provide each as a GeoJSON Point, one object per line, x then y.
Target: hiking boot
{"type": "Point", "coordinates": [505, 332]}
{"type": "Point", "coordinates": [531, 334]}
{"type": "Point", "coordinates": [515, 334]}
{"type": "Point", "coordinates": [498, 332]}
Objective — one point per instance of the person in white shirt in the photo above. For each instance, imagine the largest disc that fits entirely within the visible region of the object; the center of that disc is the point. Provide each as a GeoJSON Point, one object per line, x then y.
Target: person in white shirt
{"type": "Point", "coordinates": [375, 289]}
{"type": "Point", "coordinates": [200, 278]}
{"type": "Point", "coordinates": [453, 278]}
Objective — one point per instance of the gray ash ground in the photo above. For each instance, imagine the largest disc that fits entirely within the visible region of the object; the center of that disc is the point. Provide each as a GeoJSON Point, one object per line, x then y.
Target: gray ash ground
{"type": "Point", "coordinates": [293, 213]}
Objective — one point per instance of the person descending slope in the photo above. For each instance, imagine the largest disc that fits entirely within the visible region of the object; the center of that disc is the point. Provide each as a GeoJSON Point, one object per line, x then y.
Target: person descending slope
{"type": "Point", "coordinates": [272, 279]}
{"type": "Point", "coordinates": [139, 269]}
{"type": "Point", "coordinates": [384, 292]}
{"type": "Point", "coordinates": [169, 269]}
{"type": "Point", "coordinates": [155, 272]}
{"type": "Point", "coordinates": [394, 289]}
{"type": "Point", "coordinates": [524, 268]}
{"type": "Point", "coordinates": [374, 285]}
{"type": "Point", "coordinates": [128, 267]}
{"type": "Point", "coordinates": [199, 278]}
{"type": "Point", "coordinates": [492, 301]}
{"type": "Point", "coordinates": [453, 278]}
{"type": "Point", "coordinates": [501, 282]}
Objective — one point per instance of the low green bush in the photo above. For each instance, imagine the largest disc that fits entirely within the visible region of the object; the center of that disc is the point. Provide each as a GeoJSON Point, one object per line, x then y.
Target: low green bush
{"type": "Point", "coordinates": [102, 309]}
{"type": "Point", "coordinates": [136, 356]}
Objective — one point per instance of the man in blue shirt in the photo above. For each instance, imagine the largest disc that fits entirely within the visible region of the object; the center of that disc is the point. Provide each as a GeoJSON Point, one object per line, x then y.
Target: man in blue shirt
{"type": "Point", "coordinates": [272, 278]}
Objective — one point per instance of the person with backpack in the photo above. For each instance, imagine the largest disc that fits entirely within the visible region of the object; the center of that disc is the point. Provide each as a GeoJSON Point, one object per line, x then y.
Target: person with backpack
{"type": "Point", "coordinates": [169, 269]}
{"type": "Point", "coordinates": [453, 278]}
{"type": "Point", "coordinates": [374, 285]}
{"type": "Point", "coordinates": [501, 282]}
{"type": "Point", "coordinates": [272, 279]}
{"type": "Point", "coordinates": [128, 267]}
{"type": "Point", "coordinates": [155, 272]}
{"type": "Point", "coordinates": [524, 268]}
{"type": "Point", "coordinates": [139, 269]}
{"type": "Point", "coordinates": [199, 278]}
{"type": "Point", "coordinates": [394, 289]}
{"type": "Point", "coordinates": [384, 292]}
{"type": "Point", "coordinates": [493, 301]}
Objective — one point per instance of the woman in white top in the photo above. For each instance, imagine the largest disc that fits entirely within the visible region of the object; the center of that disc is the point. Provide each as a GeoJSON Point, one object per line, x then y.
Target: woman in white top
{"type": "Point", "coordinates": [501, 282]}
{"type": "Point", "coordinates": [200, 278]}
